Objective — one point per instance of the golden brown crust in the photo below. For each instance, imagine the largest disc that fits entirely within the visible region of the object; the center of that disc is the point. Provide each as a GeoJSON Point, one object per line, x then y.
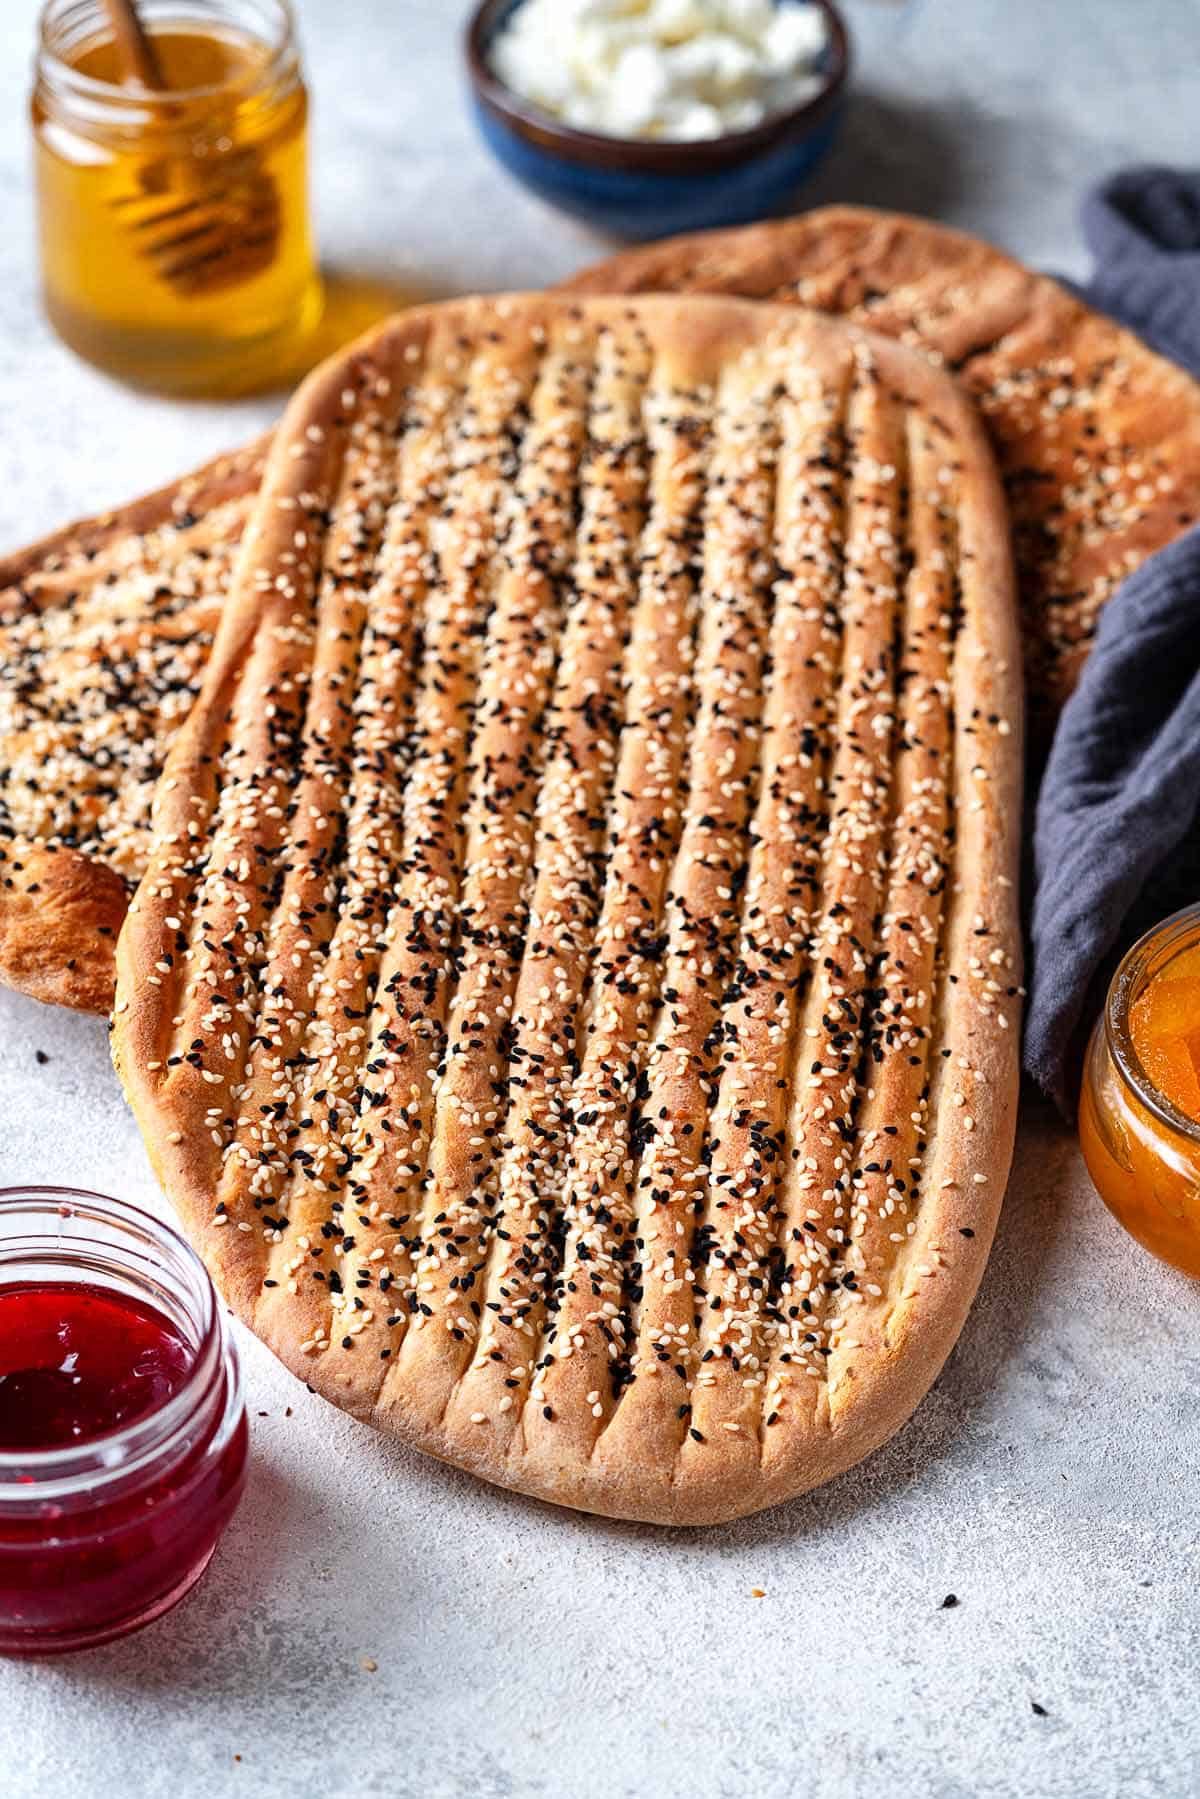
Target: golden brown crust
{"type": "Point", "coordinates": [1098, 439]}
{"type": "Point", "coordinates": [105, 629]}
{"type": "Point", "coordinates": [60, 914]}
{"type": "Point", "coordinates": [231, 477]}
{"type": "Point", "coordinates": [572, 1000]}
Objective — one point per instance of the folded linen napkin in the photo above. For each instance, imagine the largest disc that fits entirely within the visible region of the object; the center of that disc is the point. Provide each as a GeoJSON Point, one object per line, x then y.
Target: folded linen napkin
{"type": "Point", "coordinates": [1116, 841]}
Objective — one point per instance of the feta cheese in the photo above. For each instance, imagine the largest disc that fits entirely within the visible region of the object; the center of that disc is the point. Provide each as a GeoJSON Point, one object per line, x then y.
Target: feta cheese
{"type": "Point", "coordinates": [794, 38]}
{"type": "Point", "coordinates": [679, 70]}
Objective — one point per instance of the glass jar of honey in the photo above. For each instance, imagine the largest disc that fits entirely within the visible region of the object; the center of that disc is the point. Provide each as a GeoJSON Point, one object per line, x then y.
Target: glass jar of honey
{"type": "Point", "coordinates": [173, 219]}
{"type": "Point", "coordinates": [1139, 1117]}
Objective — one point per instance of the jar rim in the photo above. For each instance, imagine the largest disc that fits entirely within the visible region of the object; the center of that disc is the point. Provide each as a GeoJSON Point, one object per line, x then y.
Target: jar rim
{"type": "Point", "coordinates": [35, 1475]}
{"type": "Point", "coordinates": [278, 39]}
{"type": "Point", "coordinates": [1128, 983]}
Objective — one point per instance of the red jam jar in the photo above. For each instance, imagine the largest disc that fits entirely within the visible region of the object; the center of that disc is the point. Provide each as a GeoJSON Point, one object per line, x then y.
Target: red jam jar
{"type": "Point", "coordinates": [123, 1434]}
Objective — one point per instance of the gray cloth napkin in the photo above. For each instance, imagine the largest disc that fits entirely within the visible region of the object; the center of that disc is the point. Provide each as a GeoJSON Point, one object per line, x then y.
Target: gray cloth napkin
{"type": "Point", "coordinates": [1116, 842]}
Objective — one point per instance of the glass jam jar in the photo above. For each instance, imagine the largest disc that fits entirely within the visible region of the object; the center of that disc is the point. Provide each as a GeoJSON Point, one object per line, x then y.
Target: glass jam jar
{"type": "Point", "coordinates": [173, 221]}
{"type": "Point", "coordinates": [1141, 1084]}
{"type": "Point", "coordinates": [107, 1318]}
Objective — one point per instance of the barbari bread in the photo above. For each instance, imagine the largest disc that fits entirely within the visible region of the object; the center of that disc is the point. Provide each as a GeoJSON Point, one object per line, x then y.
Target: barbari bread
{"type": "Point", "coordinates": [105, 631]}
{"type": "Point", "coordinates": [573, 999]}
{"type": "Point", "coordinates": [1099, 442]}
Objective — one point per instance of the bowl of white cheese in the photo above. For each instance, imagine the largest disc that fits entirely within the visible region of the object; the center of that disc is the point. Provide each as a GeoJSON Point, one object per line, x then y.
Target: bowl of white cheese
{"type": "Point", "coordinates": [652, 117]}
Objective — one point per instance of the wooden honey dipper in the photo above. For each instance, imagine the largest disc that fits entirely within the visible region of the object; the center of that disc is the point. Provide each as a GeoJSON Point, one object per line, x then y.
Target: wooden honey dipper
{"type": "Point", "coordinates": [201, 226]}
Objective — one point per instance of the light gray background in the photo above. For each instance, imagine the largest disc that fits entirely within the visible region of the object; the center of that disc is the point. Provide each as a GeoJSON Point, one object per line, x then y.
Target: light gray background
{"type": "Point", "coordinates": [1051, 1479]}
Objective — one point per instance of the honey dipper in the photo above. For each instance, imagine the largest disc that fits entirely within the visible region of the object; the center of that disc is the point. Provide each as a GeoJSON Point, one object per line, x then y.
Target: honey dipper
{"type": "Point", "coordinates": [202, 227]}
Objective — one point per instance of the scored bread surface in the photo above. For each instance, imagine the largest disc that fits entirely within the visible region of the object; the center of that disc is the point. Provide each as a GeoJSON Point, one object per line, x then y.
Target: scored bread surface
{"type": "Point", "coordinates": [1098, 440]}
{"type": "Point", "coordinates": [573, 998]}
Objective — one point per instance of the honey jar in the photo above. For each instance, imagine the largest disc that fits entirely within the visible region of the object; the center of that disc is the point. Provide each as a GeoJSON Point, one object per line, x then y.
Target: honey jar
{"type": "Point", "coordinates": [173, 220]}
{"type": "Point", "coordinates": [1139, 1118]}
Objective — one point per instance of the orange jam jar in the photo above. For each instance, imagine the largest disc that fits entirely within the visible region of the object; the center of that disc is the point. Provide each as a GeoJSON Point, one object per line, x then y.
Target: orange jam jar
{"type": "Point", "coordinates": [173, 220]}
{"type": "Point", "coordinates": [1139, 1116]}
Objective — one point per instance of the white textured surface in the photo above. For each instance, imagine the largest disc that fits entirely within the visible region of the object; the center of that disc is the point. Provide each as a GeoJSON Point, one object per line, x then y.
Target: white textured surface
{"type": "Point", "coordinates": [1051, 1481]}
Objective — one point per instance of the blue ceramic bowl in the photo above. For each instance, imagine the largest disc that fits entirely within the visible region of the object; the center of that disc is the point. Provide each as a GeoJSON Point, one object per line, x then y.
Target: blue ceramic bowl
{"type": "Point", "coordinates": [639, 189]}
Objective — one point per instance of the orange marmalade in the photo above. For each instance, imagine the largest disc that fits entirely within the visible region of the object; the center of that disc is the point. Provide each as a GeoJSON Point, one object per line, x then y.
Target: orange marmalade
{"type": "Point", "coordinates": [173, 222]}
{"type": "Point", "coordinates": [1139, 1117]}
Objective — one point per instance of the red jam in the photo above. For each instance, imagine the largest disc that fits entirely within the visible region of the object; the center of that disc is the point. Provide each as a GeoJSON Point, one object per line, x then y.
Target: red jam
{"type": "Point", "coordinates": [78, 1361]}
{"type": "Point", "coordinates": [122, 1430]}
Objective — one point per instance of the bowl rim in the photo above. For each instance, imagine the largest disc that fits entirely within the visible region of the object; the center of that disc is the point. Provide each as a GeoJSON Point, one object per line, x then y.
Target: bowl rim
{"type": "Point", "coordinates": [651, 156]}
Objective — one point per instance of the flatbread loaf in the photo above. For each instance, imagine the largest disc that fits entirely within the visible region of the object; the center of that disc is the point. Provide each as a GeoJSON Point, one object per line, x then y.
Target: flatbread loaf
{"type": "Point", "coordinates": [1099, 442]}
{"type": "Point", "coordinates": [105, 631]}
{"type": "Point", "coordinates": [573, 998]}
